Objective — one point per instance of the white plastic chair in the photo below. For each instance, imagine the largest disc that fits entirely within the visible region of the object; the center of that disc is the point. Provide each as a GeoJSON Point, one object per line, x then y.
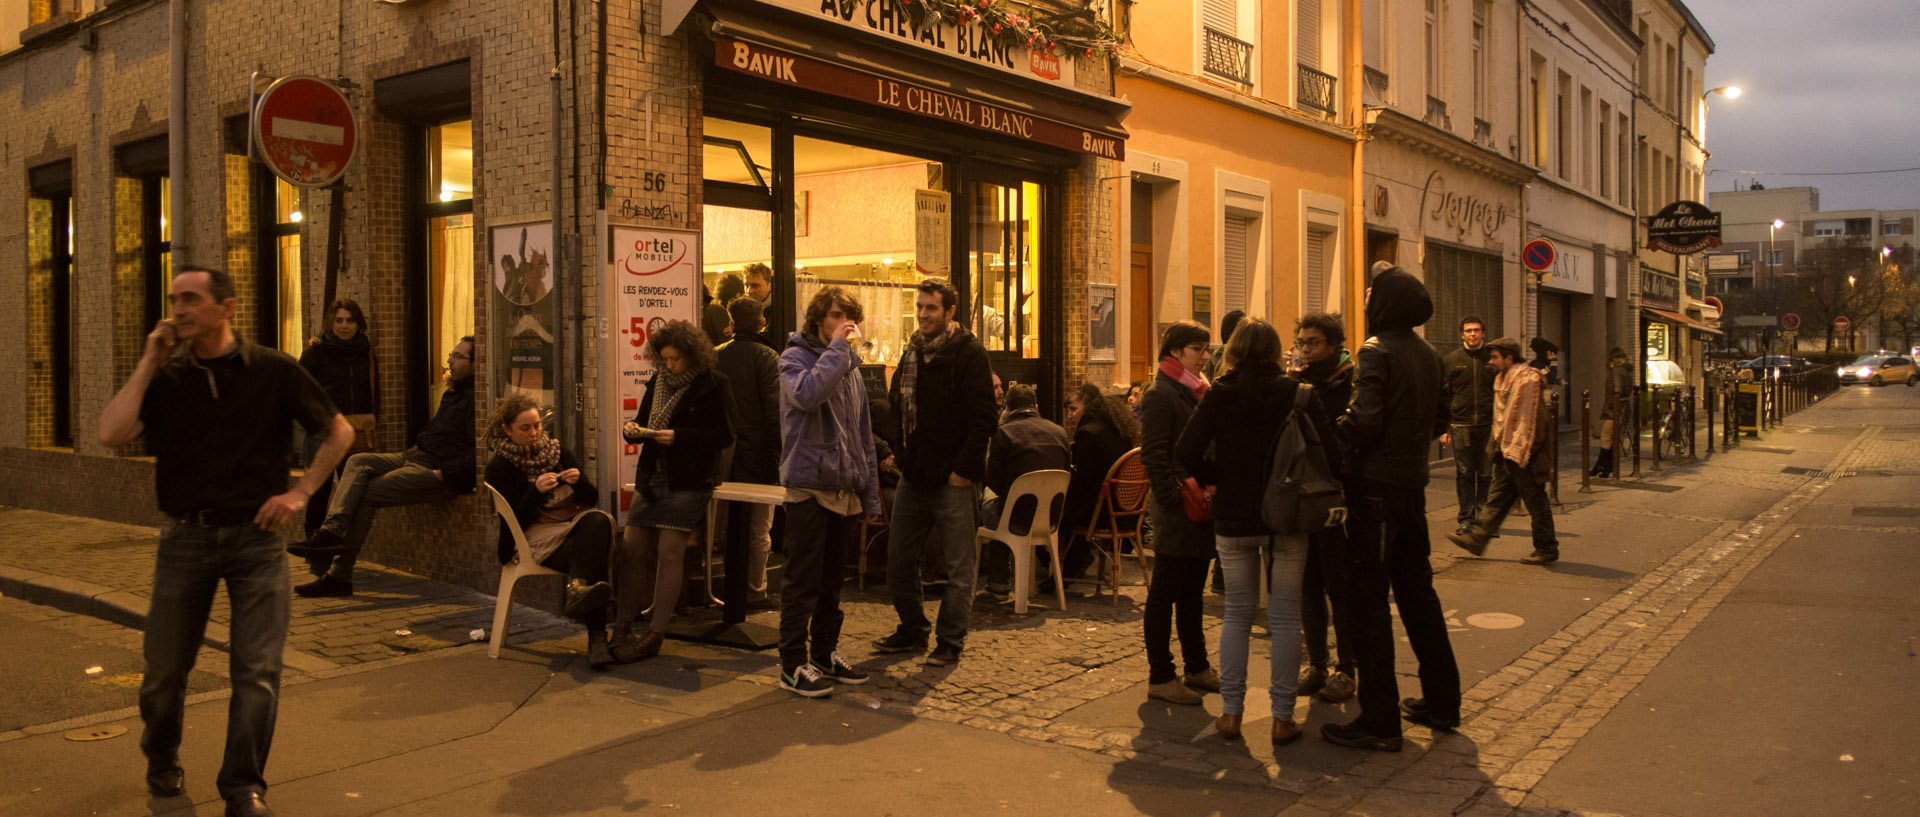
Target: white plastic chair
{"type": "Point", "coordinates": [523, 564]}
{"type": "Point", "coordinates": [1049, 490]}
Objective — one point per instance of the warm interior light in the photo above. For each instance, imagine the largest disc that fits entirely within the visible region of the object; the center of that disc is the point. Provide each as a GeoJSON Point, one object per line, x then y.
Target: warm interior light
{"type": "Point", "coordinates": [296, 216]}
{"type": "Point", "coordinates": [446, 194]}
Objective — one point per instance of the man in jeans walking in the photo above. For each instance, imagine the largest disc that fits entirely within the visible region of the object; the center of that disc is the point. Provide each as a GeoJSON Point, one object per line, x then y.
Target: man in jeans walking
{"type": "Point", "coordinates": [1398, 408]}
{"type": "Point", "coordinates": [832, 475]}
{"type": "Point", "coordinates": [439, 466]}
{"type": "Point", "coordinates": [1519, 451]}
{"type": "Point", "coordinates": [217, 412]}
{"type": "Point", "coordinates": [1470, 383]}
{"type": "Point", "coordinates": [942, 394]}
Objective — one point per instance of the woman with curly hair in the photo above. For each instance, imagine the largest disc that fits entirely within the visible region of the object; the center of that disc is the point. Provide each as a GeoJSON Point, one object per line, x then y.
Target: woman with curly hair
{"type": "Point", "coordinates": [554, 504]}
{"type": "Point", "coordinates": [683, 424]}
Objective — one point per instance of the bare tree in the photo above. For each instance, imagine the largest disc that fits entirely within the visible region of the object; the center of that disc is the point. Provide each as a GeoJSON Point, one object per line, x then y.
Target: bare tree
{"type": "Point", "coordinates": [1900, 302]}
{"type": "Point", "coordinates": [1839, 277]}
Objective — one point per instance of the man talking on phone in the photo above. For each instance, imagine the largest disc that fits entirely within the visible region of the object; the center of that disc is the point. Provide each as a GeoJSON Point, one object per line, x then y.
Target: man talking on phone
{"type": "Point", "coordinates": [218, 414]}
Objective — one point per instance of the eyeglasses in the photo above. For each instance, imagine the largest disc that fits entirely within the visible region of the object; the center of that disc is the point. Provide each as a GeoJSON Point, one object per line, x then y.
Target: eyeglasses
{"type": "Point", "coordinates": [458, 356]}
{"type": "Point", "coordinates": [1197, 347]}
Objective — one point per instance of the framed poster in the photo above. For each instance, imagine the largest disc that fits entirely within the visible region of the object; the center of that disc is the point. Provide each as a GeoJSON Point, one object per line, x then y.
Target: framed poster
{"type": "Point", "coordinates": [653, 277]}
{"type": "Point", "coordinates": [524, 317]}
{"type": "Point", "coordinates": [1102, 303]}
{"type": "Point", "coordinates": [1203, 306]}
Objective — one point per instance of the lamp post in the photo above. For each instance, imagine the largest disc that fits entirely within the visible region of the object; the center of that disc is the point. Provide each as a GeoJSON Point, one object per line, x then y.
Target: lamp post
{"type": "Point", "coordinates": [1771, 271]}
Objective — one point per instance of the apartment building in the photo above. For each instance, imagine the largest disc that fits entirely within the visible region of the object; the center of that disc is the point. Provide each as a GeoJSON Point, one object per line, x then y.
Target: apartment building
{"type": "Point", "coordinates": [1577, 84]}
{"type": "Point", "coordinates": [1445, 169]}
{"type": "Point", "coordinates": [1238, 187]}
{"type": "Point", "coordinates": [1670, 115]}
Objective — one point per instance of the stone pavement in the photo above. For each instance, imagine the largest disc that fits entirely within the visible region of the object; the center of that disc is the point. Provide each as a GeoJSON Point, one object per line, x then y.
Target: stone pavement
{"type": "Point", "coordinates": [1023, 675]}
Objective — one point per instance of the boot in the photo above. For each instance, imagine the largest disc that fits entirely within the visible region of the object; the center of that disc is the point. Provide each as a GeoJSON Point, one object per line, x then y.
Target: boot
{"type": "Point", "coordinates": [599, 655]}
{"type": "Point", "coordinates": [1603, 464]}
{"type": "Point", "coordinates": [1229, 726]}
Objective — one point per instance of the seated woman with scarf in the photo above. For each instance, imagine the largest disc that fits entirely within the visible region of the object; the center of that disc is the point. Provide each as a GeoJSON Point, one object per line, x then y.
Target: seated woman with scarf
{"type": "Point", "coordinates": [554, 504]}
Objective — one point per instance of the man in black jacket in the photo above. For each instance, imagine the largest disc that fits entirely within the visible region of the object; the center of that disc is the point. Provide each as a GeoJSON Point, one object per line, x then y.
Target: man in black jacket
{"type": "Point", "coordinates": [1398, 408]}
{"type": "Point", "coordinates": [438, 467]}
{"type": "Point", "coordinates": [1024, 442]}
{"type": "Point", "coordinates": [1470, 384]}
{"type": "Point", "coordinates": [753, 371]}
{"type": "Point", "coordinates": [942, 394]}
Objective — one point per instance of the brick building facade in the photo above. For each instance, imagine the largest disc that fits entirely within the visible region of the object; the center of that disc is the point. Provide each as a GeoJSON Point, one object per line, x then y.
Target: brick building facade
{"type": "Point", "coordinates": [456, 104]}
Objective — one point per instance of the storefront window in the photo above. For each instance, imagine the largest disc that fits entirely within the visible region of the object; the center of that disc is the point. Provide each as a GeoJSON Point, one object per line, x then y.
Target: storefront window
{"type": "Point", "coordinates": [1003, 254]}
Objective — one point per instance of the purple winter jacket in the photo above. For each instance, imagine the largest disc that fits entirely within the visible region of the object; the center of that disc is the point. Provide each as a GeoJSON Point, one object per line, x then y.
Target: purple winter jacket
{"type": "Point", "coordinates": [826, 435]}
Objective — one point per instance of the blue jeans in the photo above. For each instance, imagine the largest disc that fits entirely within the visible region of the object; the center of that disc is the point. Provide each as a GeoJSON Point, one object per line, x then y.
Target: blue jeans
{"type": "Point", "coordinates": [192, 561]}
{"type": "Point", "coordinates": [942, 517]}
{"type": "Point", "coordinates": [1240, 560]}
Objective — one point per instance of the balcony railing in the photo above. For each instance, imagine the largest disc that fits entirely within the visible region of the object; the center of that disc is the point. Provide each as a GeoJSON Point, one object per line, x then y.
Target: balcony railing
{"type": "Point", "coordinates": [1377, 80]}
{"type": "Point", "coordinates": [1228, 57]}
{"type": "Point", "coordinates": [1316, 91]}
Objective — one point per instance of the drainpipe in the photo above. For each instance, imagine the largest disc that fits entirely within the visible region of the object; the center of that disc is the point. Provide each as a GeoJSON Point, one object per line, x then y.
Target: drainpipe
{"type": "Point", "coordinates": [565, 394]}
{"type": "Point", "coordinates": [1357, 193]}
{"type": "Point", "coordinates": [177, 131]}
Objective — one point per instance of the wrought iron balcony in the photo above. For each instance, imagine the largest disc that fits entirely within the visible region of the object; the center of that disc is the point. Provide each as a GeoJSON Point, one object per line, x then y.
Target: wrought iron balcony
{"type": "Point", "coordinates": [1227, 56]}
{"type": "Point", "coordinates": [1377, 80]}
{"type": "Point", "coordinates": [1316, 91]}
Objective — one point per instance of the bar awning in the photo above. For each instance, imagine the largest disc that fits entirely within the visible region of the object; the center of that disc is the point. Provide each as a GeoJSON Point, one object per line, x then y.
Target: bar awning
{"type": "Point", "coordinates": [808, 55]}
{"type": "Point", "coordinates": [1681, 320]}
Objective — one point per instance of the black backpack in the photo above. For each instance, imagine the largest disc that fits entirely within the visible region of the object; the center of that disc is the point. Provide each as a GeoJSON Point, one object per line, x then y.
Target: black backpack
{"type": "Point", "coordinates": [1302, 495]}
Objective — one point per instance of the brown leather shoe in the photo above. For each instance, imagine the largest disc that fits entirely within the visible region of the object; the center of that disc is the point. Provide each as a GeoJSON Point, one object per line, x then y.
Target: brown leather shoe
{"type": "Point", "coordinates": [638, 648]}
{"type": "Point", "coordinates": [1285, 732]}
{"type": "Point", "coordinates": [1207, 680]}
{"type": "Point", "coordinates": [1229, 726]}
{"type": "Point", "coordinates": [1174, 692]}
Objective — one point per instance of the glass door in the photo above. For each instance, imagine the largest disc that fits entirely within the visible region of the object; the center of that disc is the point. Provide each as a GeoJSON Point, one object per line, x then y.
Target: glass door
{"type": "Point", "coordinates": [1003, 257]}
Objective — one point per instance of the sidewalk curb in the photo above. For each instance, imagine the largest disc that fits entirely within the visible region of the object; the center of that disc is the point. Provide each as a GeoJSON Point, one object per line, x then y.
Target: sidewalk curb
{"type": "Point", "coordinates": [120, 607]}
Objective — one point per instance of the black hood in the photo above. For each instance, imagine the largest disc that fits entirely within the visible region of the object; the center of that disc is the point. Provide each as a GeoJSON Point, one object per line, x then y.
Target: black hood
{"type": "Point", "coordinates": [1398, 300]}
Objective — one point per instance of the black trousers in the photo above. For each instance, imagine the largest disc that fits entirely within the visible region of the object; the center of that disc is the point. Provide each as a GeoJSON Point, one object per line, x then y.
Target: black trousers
{"type": "Point", "coordinates": [1472, 473]}
{"type": "Point", "coordinates": [816, 540]}
{"type": "Point", "coordinates": [1173, 605]}
{"type": "Point", "coordinates": [1326, 582]}
{"type": "Point", "coordinates": [584, 555]}
{"type": "Point", "coordinates": [1387, 548]}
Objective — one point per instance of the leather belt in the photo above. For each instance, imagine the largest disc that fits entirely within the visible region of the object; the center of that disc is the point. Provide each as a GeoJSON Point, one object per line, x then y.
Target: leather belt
{"type": "Point", "coordinates": [217, 518]}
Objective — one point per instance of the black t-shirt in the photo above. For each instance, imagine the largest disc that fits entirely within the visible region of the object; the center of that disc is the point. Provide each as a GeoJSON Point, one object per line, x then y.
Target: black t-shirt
{"type": "Point", "coordinates": [220, 428]}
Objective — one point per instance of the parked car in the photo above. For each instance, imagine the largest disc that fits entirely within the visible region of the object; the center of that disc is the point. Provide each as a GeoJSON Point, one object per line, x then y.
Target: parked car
{"type": "Point", "coordinates": [1787, 364]}
{"type": "Point", "coordinates": [1880, 369]}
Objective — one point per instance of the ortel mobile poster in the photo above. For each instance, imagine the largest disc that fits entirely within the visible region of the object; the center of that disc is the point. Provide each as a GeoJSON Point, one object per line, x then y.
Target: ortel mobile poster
{"type": "Point", "coordinates": [653, 278]}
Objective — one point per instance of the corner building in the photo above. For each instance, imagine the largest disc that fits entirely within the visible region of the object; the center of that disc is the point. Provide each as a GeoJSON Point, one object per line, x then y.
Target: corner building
{"type": "Point", "coordinates": [502, 148]}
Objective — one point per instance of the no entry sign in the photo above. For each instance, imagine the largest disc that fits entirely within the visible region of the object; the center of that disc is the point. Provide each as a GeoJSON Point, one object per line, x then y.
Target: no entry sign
{"type": "Point", "coordinates": [305, 130]}
{"type": "Point", "coordinates": [1538, 255]}
{"type": "Point", "coordinates": [1841, 324]}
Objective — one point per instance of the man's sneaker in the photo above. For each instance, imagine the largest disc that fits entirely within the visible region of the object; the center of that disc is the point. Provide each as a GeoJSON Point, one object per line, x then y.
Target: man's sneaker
{"type": "Point", "coordinates": [806, 682]}
{"type": "Point", "coordinates": [1354, 737]}
{"type": "Point", "coordinates": [944, 655]}
{"type": "Point", "coordinates": [1312, 679]}
{"type": "Point", "coordinates": [1415, 710]}
{"type": "Point", "coordinates": [324, 587]}
{"type": "Point", "coordinates": [1469, 540]}
{"type": "Point", "coordinates": [1541, 557]}
{"type": "Point", "coordinates": [323, 542]}
{"type": "Point", "coordinates": [1339, 688]}
{"type": "Point", "coordinates": [838, 669]}
{"type": "Point", "coordinates": [898, 641]}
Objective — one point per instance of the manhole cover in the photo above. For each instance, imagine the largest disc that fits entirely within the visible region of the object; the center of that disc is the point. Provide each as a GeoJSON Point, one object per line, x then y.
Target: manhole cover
{"type": "Point", "coordinates": [1885, 510]}
{"type": "Point", "coordinates": [1815, 472]}
{"type": "Point", "coordinates": [97, 733]}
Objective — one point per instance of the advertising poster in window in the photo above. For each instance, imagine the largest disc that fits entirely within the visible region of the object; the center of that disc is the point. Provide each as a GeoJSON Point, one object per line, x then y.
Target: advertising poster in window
{"type": "Point", "coordinates": [523, 310]}
{"type": "Point", "coordinates": [1102, 323]}
{"type": "Point", "coordinates": [932, 233]}
{"type": "Point", "coordinates": [653, 278]}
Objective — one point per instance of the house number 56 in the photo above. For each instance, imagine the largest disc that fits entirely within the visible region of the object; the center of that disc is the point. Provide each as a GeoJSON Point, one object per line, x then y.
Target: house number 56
{"type": "Point", "coordinates": [653, 182]}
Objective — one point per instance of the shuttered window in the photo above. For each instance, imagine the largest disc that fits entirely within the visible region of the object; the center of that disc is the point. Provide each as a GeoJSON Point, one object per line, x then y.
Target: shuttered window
{"type": "Point", "coordinates": [1462, 282]}
{"type": "Point", "coordinates": [1221, 15]}
{"type": "Point", "coordinates": [1314, 277]}
{"type": "Point", "coordinates": [1236, 271]}
{"type": "Point", "coordinates": [1308, 33]}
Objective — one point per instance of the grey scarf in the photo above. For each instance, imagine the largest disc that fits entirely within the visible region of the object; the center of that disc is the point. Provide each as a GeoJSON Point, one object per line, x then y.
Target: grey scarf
{"type": "Point", "coordinates": [929, 347]}
{"type": "Point", "coordinates": [668, 388]}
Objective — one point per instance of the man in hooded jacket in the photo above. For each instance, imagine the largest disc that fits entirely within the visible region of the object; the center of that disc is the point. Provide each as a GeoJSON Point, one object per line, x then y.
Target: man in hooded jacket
{"type": "Point", "coordinates": [1399, 407]}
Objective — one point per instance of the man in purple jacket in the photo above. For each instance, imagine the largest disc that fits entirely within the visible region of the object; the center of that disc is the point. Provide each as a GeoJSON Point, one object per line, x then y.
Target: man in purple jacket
{"type": "Point", "coordinates": [832, 477]}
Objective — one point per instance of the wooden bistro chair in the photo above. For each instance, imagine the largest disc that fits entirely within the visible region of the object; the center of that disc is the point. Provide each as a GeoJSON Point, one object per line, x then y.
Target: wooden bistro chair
{"type": "Point", "coordinates": [1117, 520]}
{"type": "Point", "coordinates": [523, 564]}
{"type": "Point", "coordinates": [1033, 505]}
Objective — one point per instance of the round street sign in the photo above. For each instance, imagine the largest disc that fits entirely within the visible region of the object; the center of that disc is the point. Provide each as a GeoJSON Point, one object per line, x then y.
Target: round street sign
{"type": "Point", "coordinates": [1710, 308]}
{"type": "Point", "coordinates": [1538, 255]}
{"type": "Point", "coordinates": [305, 130]}
{"type": "Point", "coordinates": [1790, 321]}
{"type": "Point", "coordinates": [1841, 324]}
